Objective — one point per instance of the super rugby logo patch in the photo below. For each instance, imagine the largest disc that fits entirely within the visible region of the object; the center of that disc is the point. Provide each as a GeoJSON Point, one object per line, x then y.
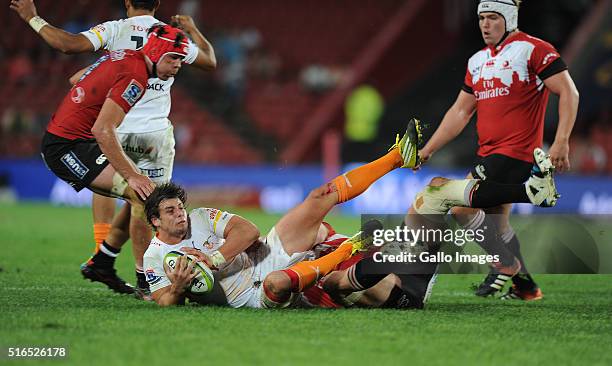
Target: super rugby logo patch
{"type": "Point", "coordinates": [133, 92]}
{"type": "Point", "coordinates": [73, 164]}
{"type": "Point", "coordinates": [152, 278]}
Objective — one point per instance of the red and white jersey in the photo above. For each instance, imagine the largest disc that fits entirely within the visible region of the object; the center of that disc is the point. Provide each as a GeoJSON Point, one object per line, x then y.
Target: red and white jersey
{"type": "Point", "coordinates": [121, 76]}
{"type": "Point", "coordinates": [152, 111]}
{"type": "Point", "coordinates": [508, 83]}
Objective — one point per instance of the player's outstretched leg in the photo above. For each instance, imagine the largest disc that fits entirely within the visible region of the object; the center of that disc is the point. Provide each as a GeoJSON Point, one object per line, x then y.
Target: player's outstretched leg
{"type": "Point", "coordinates": [299, 228]}
{"type": "Point", "coordinates": [279, 286]}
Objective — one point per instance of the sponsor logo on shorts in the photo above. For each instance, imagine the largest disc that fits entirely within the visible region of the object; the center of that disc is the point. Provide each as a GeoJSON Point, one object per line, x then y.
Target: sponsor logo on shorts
{"type": "Point", "coordinates": [133, 92]}
{"type": "Point", "coordinates": [152, 278]}
{"type": "Point", "coordinates": [480, 170]}
{"type": "Point", "coordinates": [73, 164]}
{"type": "Point", "coordinates": [153, 173]}
{"type": "Point", "coordinates": [101, 159]}
{"type": "Point", "coordinates": [137, 149]}
{"type": "Point", "coordinates": [77, 95]}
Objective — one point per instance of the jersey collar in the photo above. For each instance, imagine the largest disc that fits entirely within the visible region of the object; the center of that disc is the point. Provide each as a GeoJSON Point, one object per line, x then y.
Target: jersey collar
{"type": "Point", "coordinates": [495, 50]}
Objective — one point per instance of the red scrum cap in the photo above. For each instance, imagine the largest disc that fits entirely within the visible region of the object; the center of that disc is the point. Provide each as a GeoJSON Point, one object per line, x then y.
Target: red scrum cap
{"type": "Point", "coordinates": [164, 39]}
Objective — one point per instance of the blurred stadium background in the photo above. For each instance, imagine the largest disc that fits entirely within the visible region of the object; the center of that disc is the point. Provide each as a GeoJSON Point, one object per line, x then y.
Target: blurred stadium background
{"type": "Point", "coordinates": [304, 88]}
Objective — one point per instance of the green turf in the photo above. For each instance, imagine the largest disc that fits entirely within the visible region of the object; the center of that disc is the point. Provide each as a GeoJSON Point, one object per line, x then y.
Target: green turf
{"type": "Point", "coordinates": [44, 301]}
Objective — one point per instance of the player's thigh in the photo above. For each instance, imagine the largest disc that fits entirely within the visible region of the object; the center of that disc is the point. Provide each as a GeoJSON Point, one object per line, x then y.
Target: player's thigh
{"type": "Point", "coordinates": [77, 162]}
{"type": "Point", "coordinates": [298, 228]}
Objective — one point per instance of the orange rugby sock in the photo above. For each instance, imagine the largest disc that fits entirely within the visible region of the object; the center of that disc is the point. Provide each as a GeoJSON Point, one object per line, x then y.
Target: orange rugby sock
{"type": "Point", "coordinates": [101, 231]}
{"type": "Point", "coordinates": [307, 273]}
{"type": "Point", "coordinates": [356, 181]}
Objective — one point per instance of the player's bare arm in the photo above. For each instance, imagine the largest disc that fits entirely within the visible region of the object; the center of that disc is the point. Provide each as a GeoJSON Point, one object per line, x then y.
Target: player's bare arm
{"type": "Point", "coordinates": [563, 85]}
{"type": "Point", "coordinates": [239, 235]}
{"type": "Point", "coordinates": [454, 121]}
{"type": "Point", "coordinates": [180, 277]}
{"type": "Point", "coordinates": [206, 59]}
{"type": "Point", "coordinates": [57, 38]}
{"type": "Point", "coordinates": [104, 130]}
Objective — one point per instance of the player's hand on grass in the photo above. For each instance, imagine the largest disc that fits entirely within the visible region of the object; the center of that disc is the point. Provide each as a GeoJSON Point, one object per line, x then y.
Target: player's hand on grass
{"type": "Point", "coordinates": [182, 275]}
{"type": "Point", "coordinates": [184, 22]}
{"type": "Point", "coordinates": [142, 185]}
{"type": "Point", "coordinates": [201, 257]}
{"type": "Point", "coordinates": [25, 8]}
{"type": "Point", "coordinates": [559, 155]}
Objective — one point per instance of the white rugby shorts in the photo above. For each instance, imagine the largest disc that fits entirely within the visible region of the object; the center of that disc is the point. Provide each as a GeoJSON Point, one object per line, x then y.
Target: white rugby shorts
{"type": "Point", "coordinates": [152, 152]}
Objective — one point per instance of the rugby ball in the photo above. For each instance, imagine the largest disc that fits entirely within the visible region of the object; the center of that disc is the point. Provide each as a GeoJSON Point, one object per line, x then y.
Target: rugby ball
{"type": "Point", "coordinates": [204, 280]}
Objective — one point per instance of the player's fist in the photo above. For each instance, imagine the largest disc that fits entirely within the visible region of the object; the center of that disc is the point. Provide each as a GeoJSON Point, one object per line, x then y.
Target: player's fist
{"type": "Point", "coordinates": [184, 22]}
{"type": "Point", "coordinates": [25, 8]}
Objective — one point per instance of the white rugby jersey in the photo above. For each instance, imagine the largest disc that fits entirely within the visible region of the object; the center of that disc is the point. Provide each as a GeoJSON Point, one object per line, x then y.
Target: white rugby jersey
{"type": "Point", "coordinates": [152, 111]}
{"type": "Point", "coordinates": [235, 277]}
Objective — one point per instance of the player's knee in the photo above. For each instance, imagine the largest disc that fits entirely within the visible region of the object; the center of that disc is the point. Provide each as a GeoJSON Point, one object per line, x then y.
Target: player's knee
{"type": "Point", "coordinates": [276, 290]}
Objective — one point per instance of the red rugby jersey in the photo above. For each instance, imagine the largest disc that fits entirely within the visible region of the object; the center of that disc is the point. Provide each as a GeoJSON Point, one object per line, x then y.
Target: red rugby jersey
{"type": "Point", "coordinates": [120, 75]}
{"type": "Point", "coordinates": [508, 83]}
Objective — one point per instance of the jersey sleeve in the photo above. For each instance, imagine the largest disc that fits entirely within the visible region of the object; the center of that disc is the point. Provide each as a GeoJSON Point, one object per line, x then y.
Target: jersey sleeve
{"type": "Point", "coordinates": [468, 85]}
{"type": "Point", "coordinates": [154, 270]}
{"type": "Point", "coordinates": [101, 35]}
{"type": "Point", "coordinates": [128, 88]}
{"type": "Point", "coordinates": [545, 60]}
{"type": "Point", "coordinates": [216, 219]}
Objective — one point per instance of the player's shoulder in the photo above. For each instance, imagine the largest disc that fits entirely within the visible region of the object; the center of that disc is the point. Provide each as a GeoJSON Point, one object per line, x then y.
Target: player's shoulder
{"type": "Point", "coordinates": [130, 61]}
{"type": "Point", "coordinates": [535, 41]}
{"type": "Point", "coordinates": [207, 213]}
{"type": "Point", "coordinates": [479, 56]}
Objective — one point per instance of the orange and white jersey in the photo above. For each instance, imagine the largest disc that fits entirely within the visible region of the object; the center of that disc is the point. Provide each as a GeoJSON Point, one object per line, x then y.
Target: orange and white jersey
{"type": "Point", "coordinates": [152, 111]}
{"type": "Point", "coordinates": [207, 226]}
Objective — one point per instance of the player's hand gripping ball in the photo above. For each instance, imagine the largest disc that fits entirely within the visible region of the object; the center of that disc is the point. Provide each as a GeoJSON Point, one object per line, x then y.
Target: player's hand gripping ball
{"type": "Point", "coordinates": [204, 280]}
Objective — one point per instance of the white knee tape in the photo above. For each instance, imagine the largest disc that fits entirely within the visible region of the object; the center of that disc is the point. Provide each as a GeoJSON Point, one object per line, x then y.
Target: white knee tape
{"type": "Point", "coordinates": [438, 200]}
{"type": "Point", "coordinates": [119, 185]}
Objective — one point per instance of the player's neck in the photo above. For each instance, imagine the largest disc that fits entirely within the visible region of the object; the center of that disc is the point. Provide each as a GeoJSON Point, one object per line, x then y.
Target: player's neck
{"type": "Point", "coordinates": [139, 12]}
{"type": "Point", "coordinates": [170, 239]}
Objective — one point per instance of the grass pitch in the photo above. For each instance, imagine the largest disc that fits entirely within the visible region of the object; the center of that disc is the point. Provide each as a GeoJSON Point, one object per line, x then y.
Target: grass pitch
{"type": "Point", "coordinates": [45, 302]}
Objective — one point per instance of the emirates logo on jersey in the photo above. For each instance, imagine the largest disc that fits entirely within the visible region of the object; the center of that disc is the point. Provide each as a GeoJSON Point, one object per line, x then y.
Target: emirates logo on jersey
{"type": "Point", "coordinates": [78, 95]}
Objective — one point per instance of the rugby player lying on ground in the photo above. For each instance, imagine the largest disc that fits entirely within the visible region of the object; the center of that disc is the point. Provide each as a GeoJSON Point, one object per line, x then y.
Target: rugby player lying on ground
{"type": "Point", "coordinates": [411, 285]}
{"type": "Point", "coordinates": [257, 275]}
{"type": "Point", "coordinates": [263, 273]}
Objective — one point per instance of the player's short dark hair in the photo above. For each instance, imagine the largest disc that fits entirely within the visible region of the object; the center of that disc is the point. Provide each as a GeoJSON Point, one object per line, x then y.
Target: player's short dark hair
{"type": "Point", "coordinates": [145, 4]}
{"type": "Point", "coordinates": [162, 192]}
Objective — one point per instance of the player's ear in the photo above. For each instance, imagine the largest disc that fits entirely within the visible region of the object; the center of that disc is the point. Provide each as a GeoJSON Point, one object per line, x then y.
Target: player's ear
{"type": "Point", "coordinates": [155, 220]}
{"type": "Point", "coordinates": [127, 4]}
{"type": "Point", "coordinates": [156, 5]}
